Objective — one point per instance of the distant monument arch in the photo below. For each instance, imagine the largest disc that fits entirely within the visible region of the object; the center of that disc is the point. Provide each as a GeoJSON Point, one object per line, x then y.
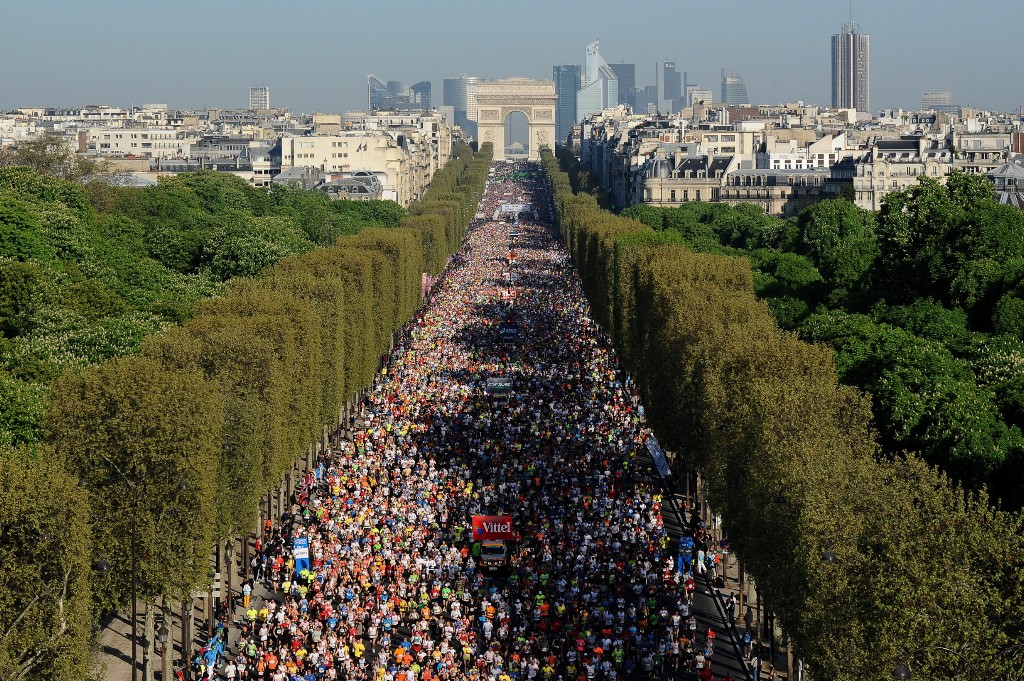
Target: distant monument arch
{"type": "Point", "coordinates": [535, 99]}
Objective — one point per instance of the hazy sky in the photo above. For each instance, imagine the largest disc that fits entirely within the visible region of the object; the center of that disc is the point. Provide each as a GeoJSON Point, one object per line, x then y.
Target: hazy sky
{"type": "Point", "coordinates": [315, 54]}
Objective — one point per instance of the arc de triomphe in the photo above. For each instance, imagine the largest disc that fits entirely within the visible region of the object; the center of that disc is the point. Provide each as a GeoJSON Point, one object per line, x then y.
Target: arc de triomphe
{"type": "Point", "coordinates": [496, 99]}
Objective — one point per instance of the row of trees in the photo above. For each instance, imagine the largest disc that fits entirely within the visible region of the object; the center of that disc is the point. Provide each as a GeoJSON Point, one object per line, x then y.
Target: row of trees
{"type": "Point", "coordinates": [87, 272]}
{"type": "Point", "coordinates": [920, 302]}
{"type": "Point", "coordinates": [186, 438]}
{"type": "Point", "coordinates": [793, 466]}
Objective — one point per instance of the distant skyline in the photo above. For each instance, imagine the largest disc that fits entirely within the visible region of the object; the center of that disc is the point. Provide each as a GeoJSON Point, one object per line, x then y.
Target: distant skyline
{"type": "Point", "coordinates": [315, 56]}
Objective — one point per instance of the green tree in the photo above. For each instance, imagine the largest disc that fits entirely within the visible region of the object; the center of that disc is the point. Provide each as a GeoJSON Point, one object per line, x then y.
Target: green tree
{"type": "Point", "coordinates": [19, 232]}
{"type": "Point", "coordinates": [49, 154]}
{"type": "Point", "coordinates": [45, 550]}
{"type": "Point", "coordinates": [840, 240]}
{"type": "Point", "coordinates": [132, 431]}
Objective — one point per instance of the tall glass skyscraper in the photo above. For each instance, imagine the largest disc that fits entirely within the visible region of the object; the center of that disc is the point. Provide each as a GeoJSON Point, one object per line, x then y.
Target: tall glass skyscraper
{"type": "Point", "coordinates": [734, 90]}
{"type": "Point", "coordinates": [460, 94]}
{"type": "Point", "coordinates": [851, 69]}
{"type": "Point", "coordinates": [626, 74]}
{"type": "Point", "coordinates": [671, 86]}
{"type": "Point", "coordinates": [599, 87]}
{"type": "Point", "coordinates": [567, 84]}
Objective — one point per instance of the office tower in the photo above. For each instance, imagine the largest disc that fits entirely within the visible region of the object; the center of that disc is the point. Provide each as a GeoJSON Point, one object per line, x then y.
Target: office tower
{"type": "Point", "coordinates": [420, 95]}
{"type": "Point", "coordinates": [567, 84]}
{"type": "Point", "coordinates": [650, 99]}
{"type": "Point", "coordinates": [599, 88]}
{"type": "Point", "coordinates": [626, 74]}
{"type": "Point", "coordinates": [695, 93]}
{"type": "Point", "coordinates": [937, 101]}
{"type": "Point", "coordinates": [259, 98]}
{"type": "Point", "coordinates": [460, 94]}
{"type": "Point", "coordinates": [734, 90]}
{"type": "Point", "coordinates": [851, 69]}
{"type": "Point", "coordinates": [377, 93]}
{"type": "Point", "coordinates": [670, 87]}
{"type": "Point", "coordinates": [395, 95]}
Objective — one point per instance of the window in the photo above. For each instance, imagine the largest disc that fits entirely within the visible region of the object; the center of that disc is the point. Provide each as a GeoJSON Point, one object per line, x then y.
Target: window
{"type": "Point", "coordinates": [686, 195]}
{"type": "Point", "coordinates": [696, 195]}
{"type": "Point", "coordinates": [895, 184]}
{"type": "Point", "coordinates": [672, 196]}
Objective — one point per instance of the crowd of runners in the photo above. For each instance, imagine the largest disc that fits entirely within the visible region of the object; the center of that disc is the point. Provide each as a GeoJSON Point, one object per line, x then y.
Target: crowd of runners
{"type": "Point", "coordinates": [394, 589]}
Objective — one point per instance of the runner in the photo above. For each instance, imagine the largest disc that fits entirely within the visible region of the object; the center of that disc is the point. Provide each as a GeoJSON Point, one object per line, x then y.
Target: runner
{"type": "Point", "coordinates": [394, 589]}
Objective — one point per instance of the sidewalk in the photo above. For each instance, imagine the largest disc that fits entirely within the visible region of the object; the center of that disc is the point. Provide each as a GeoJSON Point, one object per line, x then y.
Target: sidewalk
{"type": "Point", "coordinates": [719, 600]}
{"type": "Point", "coordinates": [709, 604]}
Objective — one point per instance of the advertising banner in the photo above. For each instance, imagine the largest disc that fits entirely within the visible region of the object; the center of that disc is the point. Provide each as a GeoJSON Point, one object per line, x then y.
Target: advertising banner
{"type": "Point", "coordinates": [300, 551]}
{"type": "Point", "coordinates": [492, 527]}
{"type": "Point", "coordinates": [508, 332]}
{"type": "Point", "coordinates": [499, 385]}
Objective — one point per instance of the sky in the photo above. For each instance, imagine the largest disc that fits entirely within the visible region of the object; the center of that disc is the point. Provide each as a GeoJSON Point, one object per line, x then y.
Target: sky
{"type": "Point", "coordinates": [315, 54]}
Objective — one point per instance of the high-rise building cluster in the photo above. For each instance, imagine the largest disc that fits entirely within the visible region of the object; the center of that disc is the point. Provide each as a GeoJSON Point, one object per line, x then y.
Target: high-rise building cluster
{"type": "Point", "coordinates": [598, 85]}
{"type": "Point", "coordinates": [395, 95]}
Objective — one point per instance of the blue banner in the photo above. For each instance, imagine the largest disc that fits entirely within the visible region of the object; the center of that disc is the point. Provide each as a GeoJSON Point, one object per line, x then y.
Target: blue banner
{"type": "Point", "coordinates": [658, 454]}
{"type": "Point", "coordinates": [300, 550]}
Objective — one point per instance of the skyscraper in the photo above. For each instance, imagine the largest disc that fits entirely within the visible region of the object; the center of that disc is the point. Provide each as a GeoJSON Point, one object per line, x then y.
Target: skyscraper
{"type": "Point", "coordinates": [395, 95]}
{"type": "Point", "coordinates": [626, 73]}
{"type": "Point", "coordinates": [599, 86]}
{"type": "Point", "coordinates": [851, 69]}
{"type": "Point", "coordinates": [734, 90]}
{"type": "Point", "coordinates": [420, 95]}
{"type": "Point", "coordinates": [259, 98]}
{"type": "Point", "coordinates": [460, 94]}
{"type": "Point", "coordinates": [939, 101]}
{"type": "Point", "coordinates": [567, 84]}
{"type": "Point", "coordinates": [670, 87]}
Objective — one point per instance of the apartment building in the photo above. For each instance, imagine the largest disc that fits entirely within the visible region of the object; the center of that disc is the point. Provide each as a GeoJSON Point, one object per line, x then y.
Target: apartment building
{"type": "Point", "coordinates": [894, 165]}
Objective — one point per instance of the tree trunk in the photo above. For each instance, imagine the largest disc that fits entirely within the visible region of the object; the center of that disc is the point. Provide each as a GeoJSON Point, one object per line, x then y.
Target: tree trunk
{"type": "Point", "coordinates": [148, 639]}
